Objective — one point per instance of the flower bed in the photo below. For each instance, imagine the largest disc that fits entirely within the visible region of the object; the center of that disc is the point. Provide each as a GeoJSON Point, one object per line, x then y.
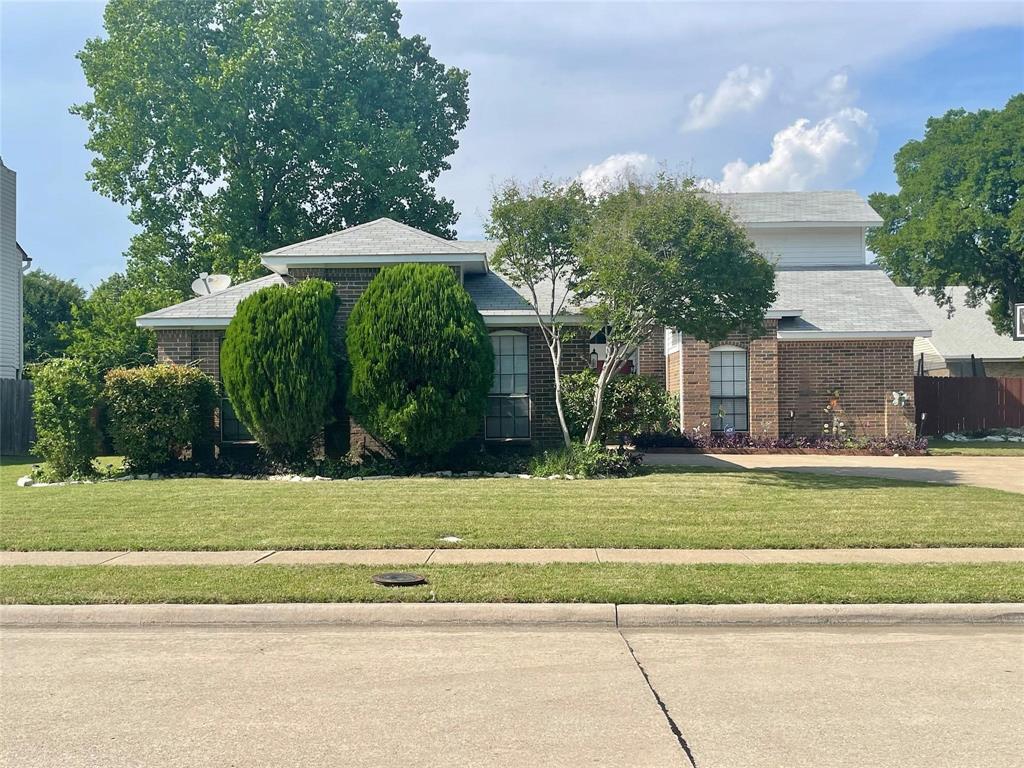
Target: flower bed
{"type": "Point", "coordinates": [740, 443]}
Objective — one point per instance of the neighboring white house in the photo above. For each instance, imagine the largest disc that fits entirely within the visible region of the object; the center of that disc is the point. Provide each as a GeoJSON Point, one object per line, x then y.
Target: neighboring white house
{"type": "Point", "coordinates": [963, 344]}
{"type": "Point", "coordinates": [12, 258]}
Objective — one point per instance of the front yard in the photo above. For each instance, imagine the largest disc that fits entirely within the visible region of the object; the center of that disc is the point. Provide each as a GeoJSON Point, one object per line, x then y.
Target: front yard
{"type": "Point", "coordinates": [683, 508]}
{"type": "Point", "coordinates": [939, 447]}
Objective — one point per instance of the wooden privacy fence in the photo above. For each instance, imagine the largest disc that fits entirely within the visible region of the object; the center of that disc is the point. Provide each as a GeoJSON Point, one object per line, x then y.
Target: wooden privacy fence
{"type": "Point", "coordinates": [16, 430]}
{"type": "Point", "coordinates": [967, 404]}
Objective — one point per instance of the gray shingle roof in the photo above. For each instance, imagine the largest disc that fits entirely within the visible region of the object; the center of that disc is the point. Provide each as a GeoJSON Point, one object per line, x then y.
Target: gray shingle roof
{"type": "Point", "coordinates": [383, 237]}
{"type": "Point", "coordinates": [844, 300]}
{"type": "Point", "coordinates": [493, 294]}
{"type": "Point", "coordinates": [967, 332]}
{"type": "Point", "coordinates": [844, 206]}
{"type": "Point", "coordinates": [216, 306]}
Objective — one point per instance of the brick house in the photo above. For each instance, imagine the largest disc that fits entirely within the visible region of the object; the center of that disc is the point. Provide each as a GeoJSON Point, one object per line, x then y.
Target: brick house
{"type": "Point", "coordinates": [839, 330]}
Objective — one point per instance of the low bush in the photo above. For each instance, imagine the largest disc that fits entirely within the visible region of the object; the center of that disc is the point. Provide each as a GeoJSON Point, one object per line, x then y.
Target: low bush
{"type": "Point", "coordinates": [719, 442]}
{"type": "Point", "coordinates": [634, 404]}
{"type": "Point", "coordinates": [581, 460]}
{"type": "Point", "coordinates": [64, 408]}
{"type": "Point", "coordinates": [158, 413]}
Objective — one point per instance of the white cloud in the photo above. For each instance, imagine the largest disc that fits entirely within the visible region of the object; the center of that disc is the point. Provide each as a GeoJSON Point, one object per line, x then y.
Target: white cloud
{"type": "Point", "coordinates": [602, 176]}
{"type": "Point", "coordinates": [741, 91]}
{"type": "Point", "coordinates": [830, 152]}
{"type": "Point", "coordinates": [836, 92]}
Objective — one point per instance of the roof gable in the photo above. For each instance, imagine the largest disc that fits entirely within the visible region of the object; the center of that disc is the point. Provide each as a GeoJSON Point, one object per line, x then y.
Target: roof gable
{"type": "Point", "coordinates": [382, 237]}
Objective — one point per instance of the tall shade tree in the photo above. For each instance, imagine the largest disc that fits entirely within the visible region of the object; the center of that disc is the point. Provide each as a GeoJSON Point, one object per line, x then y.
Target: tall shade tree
{"type": "Point", "coordinates": [232, 127]}
{"type": "Point", "coordinates": [103, 333]}
{"type": "Point", "coordinates": [958, 218]}
{"type": "Point", "coordinates": [278, 366]}
{"type": "Point", "coordinates": [659, 253]}
{"type": "Point", "coordinates": [421, 360]}
{"type": "Point", "coordinates": [48, 305]}
{"type": "Point", "coordinates": [537, 232]}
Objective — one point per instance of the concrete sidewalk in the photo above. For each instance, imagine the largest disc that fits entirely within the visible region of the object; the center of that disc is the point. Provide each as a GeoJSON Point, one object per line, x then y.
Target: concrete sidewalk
{"type": "Point", "coordinates": [525, 556]}
{"type": "Point", "coordinates": [1004, 473]}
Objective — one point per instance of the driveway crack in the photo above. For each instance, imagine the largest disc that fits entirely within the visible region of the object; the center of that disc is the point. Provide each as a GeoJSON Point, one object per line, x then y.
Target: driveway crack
{"type": "Point", "coordinates": [664, 709]}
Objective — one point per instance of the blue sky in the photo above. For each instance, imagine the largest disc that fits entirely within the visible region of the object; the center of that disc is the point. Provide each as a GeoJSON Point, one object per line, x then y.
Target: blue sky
{"type": "Point", "coordinates": [749, 96]}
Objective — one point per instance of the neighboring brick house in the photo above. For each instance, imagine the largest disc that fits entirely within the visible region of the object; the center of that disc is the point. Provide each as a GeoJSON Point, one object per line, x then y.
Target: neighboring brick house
{"type": "Point", "coordinates": [839, 329]}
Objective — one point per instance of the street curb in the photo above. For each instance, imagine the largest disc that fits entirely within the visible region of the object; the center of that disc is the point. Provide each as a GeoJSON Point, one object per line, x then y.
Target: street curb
{"type": "Point", "coordinates": [774, 615]}
{"type": "Point", "coordinates": [506, 614]}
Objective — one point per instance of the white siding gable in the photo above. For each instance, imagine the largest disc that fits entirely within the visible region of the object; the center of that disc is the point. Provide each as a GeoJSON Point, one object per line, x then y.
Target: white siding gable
{"type": "Point", "coordinates": [810, 246]}
{"type": "Point", "coordinates": [10, 280]}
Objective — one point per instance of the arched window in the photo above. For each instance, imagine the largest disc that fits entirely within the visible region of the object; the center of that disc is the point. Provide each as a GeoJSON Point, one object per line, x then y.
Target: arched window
{"type": "Point", "coordinates": [508, 414]}
{"type": "Point", "coordinates": [729, 404]}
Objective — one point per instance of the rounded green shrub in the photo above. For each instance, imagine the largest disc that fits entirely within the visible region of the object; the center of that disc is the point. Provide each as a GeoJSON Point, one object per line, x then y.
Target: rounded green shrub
{"type": "Point", "coordinates": [278, 368]}
{"type": "Point", "coordinates": [159, 411]}
{"type": "Point", "coordinates": [634, 405]}
{"type": "Point", "coordinates": [64, 401]}
{"type": "Point", "coordinates": [420, 359]}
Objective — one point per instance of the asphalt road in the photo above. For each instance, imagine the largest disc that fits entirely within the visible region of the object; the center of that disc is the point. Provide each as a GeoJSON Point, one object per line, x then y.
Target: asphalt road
{"type": "Point", "coordinates": [913, 696]}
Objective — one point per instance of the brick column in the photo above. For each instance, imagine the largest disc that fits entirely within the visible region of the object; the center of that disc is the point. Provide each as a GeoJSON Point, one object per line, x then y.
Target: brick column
{"type": "Point", "coordinates": [696, 394]}
{"type": "Point", "coordinates": [650, 356]}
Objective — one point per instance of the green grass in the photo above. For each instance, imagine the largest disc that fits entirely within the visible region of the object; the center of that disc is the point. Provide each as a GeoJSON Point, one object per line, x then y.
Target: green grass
{"type": "Point", "coordinates": [974, 448]}
{"type": "Point", "coordinates": [589, 583]}
{"type": "Point", "coordinates": [688, 508]}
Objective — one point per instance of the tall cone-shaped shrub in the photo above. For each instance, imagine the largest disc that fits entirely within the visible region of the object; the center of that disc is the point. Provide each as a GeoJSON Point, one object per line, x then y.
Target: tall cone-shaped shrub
{"type": "Point", "coordinates": [278, 367]}
{"type": "Point", "coordinates": [421, 360]}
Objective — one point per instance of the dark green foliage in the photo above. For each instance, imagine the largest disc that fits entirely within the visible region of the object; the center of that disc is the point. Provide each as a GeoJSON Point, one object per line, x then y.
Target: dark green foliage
{"type": "Point", "coordinates": [47, 313]}
{"type": "Point", "coordinates": [278, 367]}
{"type": "Point", "coordinates": [421, 360]}
{"type": "Point", "coordinates": [157, 412]}
{"type": "Point", "coordinates": [64, 408]}
{"type": "Point", "coordinates": [634, 404]}
{"type": "Point", "coordinates": [581, 460]}
{"type": "Point", "coordinates": [103, 332]}
{"type": "Point", "coordinates": [958, 218]}
{"type": "Point", "coordinates": [232, 127]}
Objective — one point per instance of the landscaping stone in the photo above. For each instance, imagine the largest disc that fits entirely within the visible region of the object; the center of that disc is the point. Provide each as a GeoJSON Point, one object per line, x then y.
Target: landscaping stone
{"type": "Point", "coordinates": [322, 479]}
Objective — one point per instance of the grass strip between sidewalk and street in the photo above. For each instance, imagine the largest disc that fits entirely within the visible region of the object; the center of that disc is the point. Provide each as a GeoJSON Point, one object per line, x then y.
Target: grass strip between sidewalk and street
{"type": "Point", "coordinates": [561, 583]}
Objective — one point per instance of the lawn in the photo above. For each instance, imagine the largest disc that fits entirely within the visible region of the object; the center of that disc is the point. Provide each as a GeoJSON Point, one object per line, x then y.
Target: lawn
{"type": "Point", "coordinates": [687, 508]}
{"type": "Point", "coordinates": [974, 448]}
{"type": "Point", "coordinates": [591, 583]}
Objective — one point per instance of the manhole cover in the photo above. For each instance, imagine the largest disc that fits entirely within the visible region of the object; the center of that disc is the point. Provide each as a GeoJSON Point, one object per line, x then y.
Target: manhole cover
{"type": "Point", "coordinates": [398, 579]}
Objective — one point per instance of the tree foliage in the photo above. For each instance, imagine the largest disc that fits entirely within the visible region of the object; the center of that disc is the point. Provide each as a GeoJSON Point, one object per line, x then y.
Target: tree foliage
{"type": "Point", "coordinates": [48, 305]}
{"type": "Point", "coordinates": [103, 333]}
{"type": "Point", "coordinates": [278, 367]}
{"type": "Point", "coordinates": [421, 360]}
{"type": "Point", "coordinates": [634, 405]}
{"type": "Point", "coordinates": [658, 253]}
{"type": "Point", "coordinates": [64, 401]}
{"type": "Point", "coordinates": [232, 127]}
{"type": "Point", "coordinates": [158, 411]}
{"type": "Point", "coordinates": [958, 218]}
{"type": "Point", "coordinates": [537, 231]}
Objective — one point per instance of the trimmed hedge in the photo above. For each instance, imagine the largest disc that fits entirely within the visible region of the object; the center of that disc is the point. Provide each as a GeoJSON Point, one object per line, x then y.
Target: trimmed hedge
{"type": "Point", "coordinates": [157, 412]}
{"type": "Point", "coordinates": [421, 360]}
{"type": "Point", "coordinates": [278, 368]}
{"type": "Point", "coordinates": [64, 408]}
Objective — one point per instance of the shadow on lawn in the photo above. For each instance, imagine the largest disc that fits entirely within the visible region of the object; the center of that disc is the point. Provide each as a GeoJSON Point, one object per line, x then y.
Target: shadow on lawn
{"type": "Point", "coordinates": [816, 477]}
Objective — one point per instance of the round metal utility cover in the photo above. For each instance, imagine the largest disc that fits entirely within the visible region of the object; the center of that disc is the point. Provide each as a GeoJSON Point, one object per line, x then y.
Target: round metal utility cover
{"type": "Point", "coordinates": [398, 579]}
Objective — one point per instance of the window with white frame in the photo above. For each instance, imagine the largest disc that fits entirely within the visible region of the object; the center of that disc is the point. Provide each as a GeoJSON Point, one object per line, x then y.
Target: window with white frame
{"type": "Point", "coordinates": [508, 414]}
{"type": "Point", "coordinates": [729, 403]}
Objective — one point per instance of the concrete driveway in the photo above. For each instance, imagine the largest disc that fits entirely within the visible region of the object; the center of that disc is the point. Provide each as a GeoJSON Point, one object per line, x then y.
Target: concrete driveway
{"type": "Point", "coordinates": [560, 696]}
{"type": "Point", "coordinates": [1005, 473]}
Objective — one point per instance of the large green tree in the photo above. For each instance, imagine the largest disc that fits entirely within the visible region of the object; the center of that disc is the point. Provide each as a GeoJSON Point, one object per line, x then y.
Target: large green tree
{"type": "Point", "coordinates": [48, 305]}
{"type": "Point", "coordinates": [658, 253]}
{"type": "Point", "coordinates": [232, 127]}
{"type": "Point", "coordinates": [958, 218]}
{"type": "Point", "coordinates": [103, 333]}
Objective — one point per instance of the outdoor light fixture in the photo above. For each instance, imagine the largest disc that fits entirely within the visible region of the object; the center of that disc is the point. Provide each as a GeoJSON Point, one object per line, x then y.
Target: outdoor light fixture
{"type": "Point", "coordinates": [593, 358]}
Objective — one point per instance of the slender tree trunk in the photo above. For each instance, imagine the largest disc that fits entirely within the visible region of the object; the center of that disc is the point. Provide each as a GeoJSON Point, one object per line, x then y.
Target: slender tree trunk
{"type": "Point", "coordinates": [611, 365]}
{"type": "Point", "coordinates": [556, 358]}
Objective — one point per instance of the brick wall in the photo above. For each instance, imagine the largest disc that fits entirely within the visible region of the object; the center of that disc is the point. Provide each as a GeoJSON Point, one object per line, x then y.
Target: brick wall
{"type": "Point", "coordinates": [651, 356]}
{"type": "Point", "coordinates": [863, 372]}
{"type": "Point", "coordinates": [188, 347]}
{"type": "Point", "coordinates": [672, 372]}
{"type": "Point", "coordinates": [763, 382]}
